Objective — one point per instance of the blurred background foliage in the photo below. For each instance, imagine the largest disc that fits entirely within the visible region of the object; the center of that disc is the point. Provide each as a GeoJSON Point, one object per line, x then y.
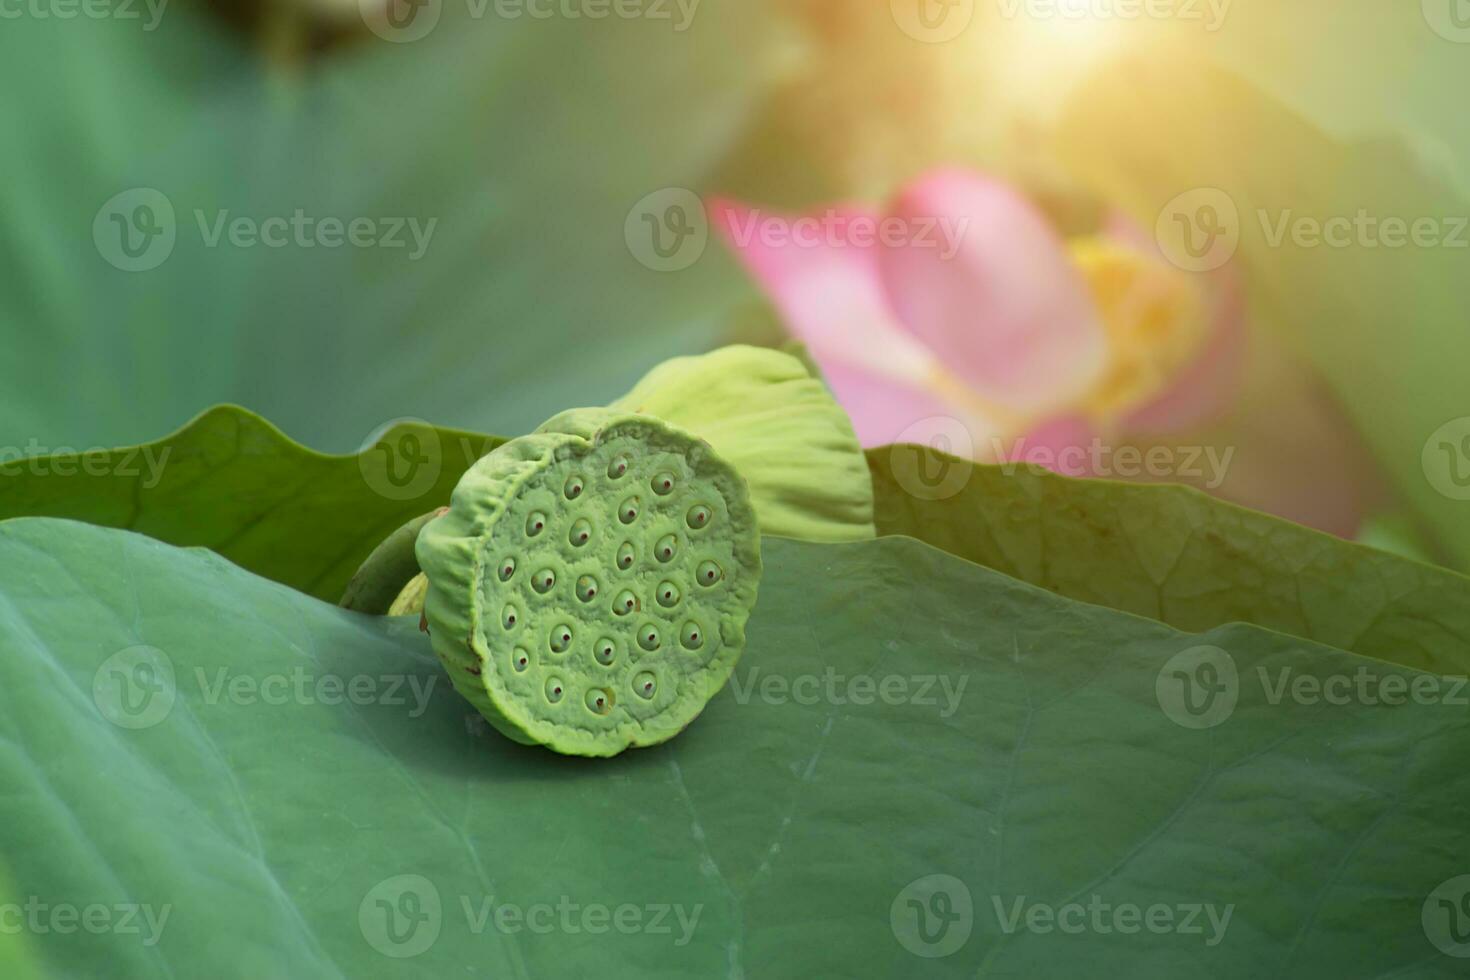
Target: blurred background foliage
{"type": "Point", "coordinates": [530, 140]}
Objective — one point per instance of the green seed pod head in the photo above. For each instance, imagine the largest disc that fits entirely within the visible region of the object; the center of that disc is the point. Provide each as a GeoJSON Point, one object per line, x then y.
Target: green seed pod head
{"type": "Point", "coordinates": [598, 656]}
{"type": "Point", "coordinates": [775, 422]}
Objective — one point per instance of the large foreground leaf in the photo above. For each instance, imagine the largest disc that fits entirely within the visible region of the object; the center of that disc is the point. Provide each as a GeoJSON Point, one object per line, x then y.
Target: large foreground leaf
{"type": "Point", "coordinates": [267, 772]}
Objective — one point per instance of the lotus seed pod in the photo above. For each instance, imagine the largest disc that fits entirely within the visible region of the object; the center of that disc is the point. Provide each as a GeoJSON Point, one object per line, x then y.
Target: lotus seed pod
{"type": "Point", "coordinates": [570, 596]}
{"type": "Point", "coordinates": [768, 416]}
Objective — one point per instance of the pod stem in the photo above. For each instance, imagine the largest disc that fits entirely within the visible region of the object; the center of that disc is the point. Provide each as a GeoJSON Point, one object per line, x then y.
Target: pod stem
{"type": "Point", "coordinates": [387, 570]}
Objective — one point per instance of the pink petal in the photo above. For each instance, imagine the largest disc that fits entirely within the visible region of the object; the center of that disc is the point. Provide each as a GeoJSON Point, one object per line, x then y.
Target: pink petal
{"type": "Point", "coordinates": [885, 410]}
{"type": "Point", "coordinates": [985, 283]}
{"type": "Point", "coordinates": [1205, 388]}
{"type": "Point", "coordinates": [828, 293]}
{"type": "Point", "coordinates": [1062, 444]}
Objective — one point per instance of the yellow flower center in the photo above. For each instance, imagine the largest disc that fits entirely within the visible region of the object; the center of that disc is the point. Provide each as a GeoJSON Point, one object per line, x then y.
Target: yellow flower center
{"type": "Point", "coordinates": [1154, 317]}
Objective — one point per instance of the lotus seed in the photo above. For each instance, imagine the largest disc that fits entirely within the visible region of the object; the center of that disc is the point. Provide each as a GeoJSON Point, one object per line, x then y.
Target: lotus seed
{"type": "Point", "coordinates": [553, 689]}
{"type": "Point", "coordinates": [628, 512]}
{"type": "Point", "coordinates": [625, 603]}
{"type": "Point", "coordinates": [648, 637]}
{"type": "Point", "coordinates": [698, 516]}
{"type": "Point", "coordinates": [600, 700]}
{"type": "Point", "coordinates": [668, 594]}
{"type": "Point", "coordinates": [708, 573]}
{"type": "Point", "coordinates": [535, 523]}
{"type": "Point", "coordinates": [663, 483]}
{"type": "Point", "coordinates": [580, 533]}
{"type": "Point", "coordinates": [586, 588]}
{"type": "Point", "coordinates": [561, 638]}
{"type": "Point", "coordinates": [645, 684]}
{"type": "Point", "coordinates": [520, 659]}
{"type": "Point", "coordinates": [573, 489]}
{"type": "Point", "coordinates": [507, 569]}
{"type": "Point", "coordinates": [667, 547]}
{"type": "Point", "coordinates": [625, 556]}
{"type": "Point", "coordinates": [691, 636]}
{"type": "Point", "coordinates": [508, 616]}
{"type": "Point", "coordinates": [606, 651]}
{"type": "Point", "coordinates": [543, 580]}
{"type": "Point", "coordinates": [617, 467]}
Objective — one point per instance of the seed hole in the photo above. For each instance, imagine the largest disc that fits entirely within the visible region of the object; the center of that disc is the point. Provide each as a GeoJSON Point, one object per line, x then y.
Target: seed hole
{"type": "Point", "coordinates": [667, 547]}
{"type": "Point", "coordinates": [662, 483]}
{"type": "Point", "coordinates": [535, 523]}
{"type": "Point", "coordinates": [698, 516]}
{"type": "Point", "coordinates": [573, 489]}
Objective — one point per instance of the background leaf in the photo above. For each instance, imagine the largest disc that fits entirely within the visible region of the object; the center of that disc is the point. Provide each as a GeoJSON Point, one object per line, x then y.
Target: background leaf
{"type": "Point", "coordinates": [529, 142]}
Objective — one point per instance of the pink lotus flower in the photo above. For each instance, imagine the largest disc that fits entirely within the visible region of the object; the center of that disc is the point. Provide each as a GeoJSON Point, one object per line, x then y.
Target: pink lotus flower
{"type": "Point", "coordinates": [959, 315]}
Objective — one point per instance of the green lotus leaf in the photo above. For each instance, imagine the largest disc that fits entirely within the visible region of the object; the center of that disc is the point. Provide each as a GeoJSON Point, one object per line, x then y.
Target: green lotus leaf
{"type": "Point", "coordinates": [955, 742]}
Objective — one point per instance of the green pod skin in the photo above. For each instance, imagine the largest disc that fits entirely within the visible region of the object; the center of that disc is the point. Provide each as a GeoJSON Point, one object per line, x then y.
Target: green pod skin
{"type": "Point", "coordinates": [529, 582]}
